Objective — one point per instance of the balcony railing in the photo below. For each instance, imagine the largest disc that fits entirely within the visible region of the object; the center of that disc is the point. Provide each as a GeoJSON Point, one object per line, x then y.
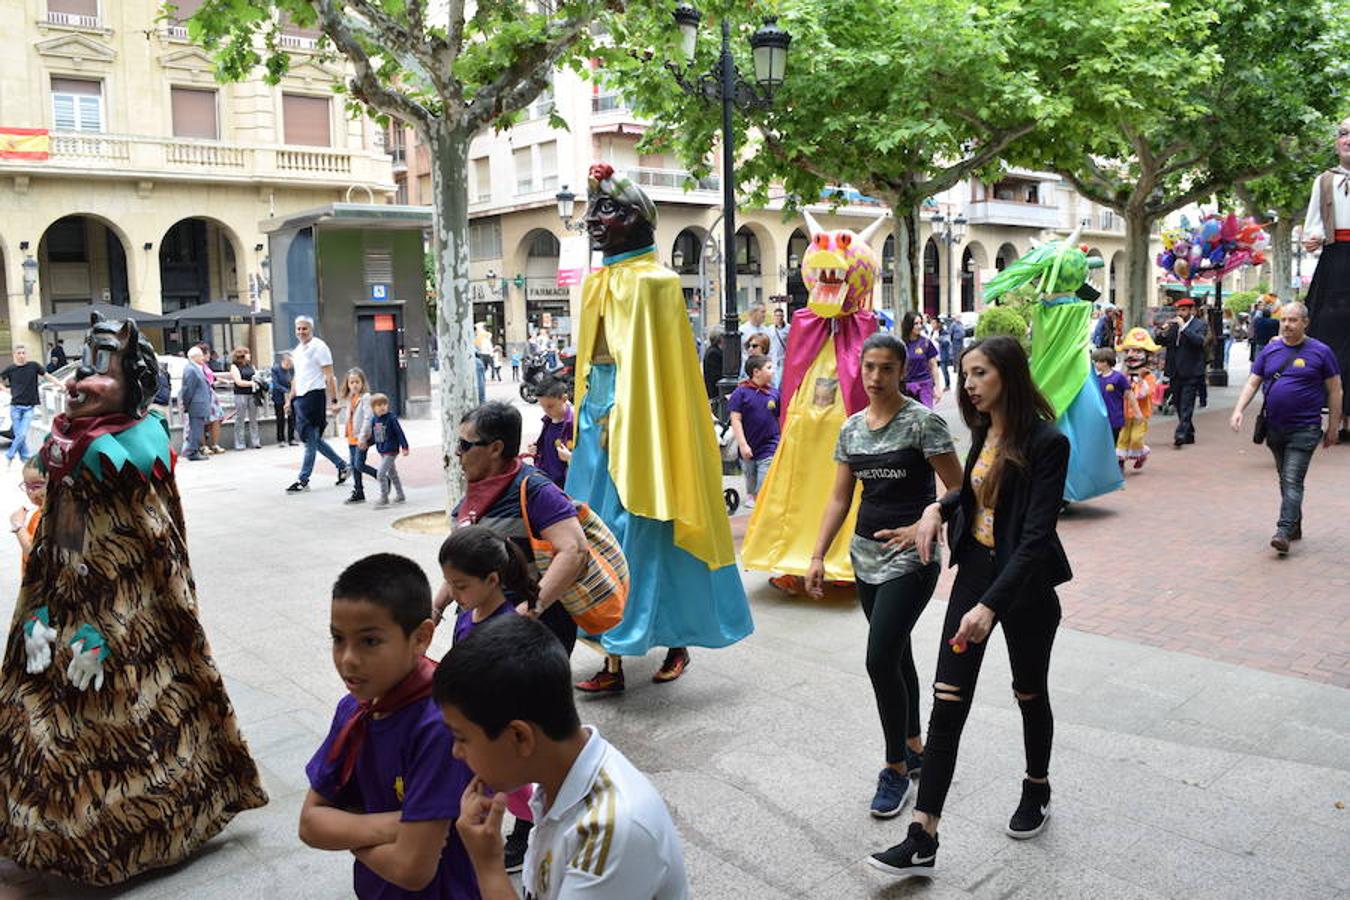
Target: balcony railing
{"type": "Point", "coordinates": [607, 102]}
{"type": "Point", "coordinates": [674, 179]}
{"type": "Point", "coordinates": [297, 41]}
{"type": "Point", "coordinates": [143, 156]}
{"type": "Point", "coordinates": [1014, 212]}
{"type": "Point", "coordinates": [176, 32]}
{"type": "Point", "coordinates": [73, 20]}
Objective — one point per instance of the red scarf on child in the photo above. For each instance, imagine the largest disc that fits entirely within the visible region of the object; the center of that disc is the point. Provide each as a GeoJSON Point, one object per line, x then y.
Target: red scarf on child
{"type": "Point", "coordinates": [480, 495]}
{"type": "Point", "coordinates": [349, 740]}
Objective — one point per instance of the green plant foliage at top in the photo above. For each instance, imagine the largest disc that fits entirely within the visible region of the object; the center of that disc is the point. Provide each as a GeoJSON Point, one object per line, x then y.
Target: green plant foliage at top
{"type": "Point", "coordinates": [1003, 320]}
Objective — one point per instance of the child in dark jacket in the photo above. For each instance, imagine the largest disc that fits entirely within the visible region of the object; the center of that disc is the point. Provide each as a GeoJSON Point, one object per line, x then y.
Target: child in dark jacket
{"type": "Point", "coordinates": [387, 436]}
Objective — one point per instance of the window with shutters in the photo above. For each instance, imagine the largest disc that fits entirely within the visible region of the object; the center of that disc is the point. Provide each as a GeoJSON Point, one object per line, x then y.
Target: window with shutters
{"type": "Point", "coordinates": [194, 113]}
{"type": "Point", "coordinates": [482, 179]}
{"type": "Point", "coordinates": [80, 13]}
{"type": "Point", "coordinates": [77, 105]}
{"type": "Point", "coordinates": [485, 239]}
{"type": "Point", "coordinates": [548, 166]}
{"type": "Point", "coordinates": [523, 160]}
{"type": "Point", "coordinates": [306, 120]}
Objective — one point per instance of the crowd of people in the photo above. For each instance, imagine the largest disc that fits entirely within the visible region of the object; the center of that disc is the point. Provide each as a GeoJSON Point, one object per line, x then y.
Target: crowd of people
{"type": "Point", "coordinates": [616, 529]}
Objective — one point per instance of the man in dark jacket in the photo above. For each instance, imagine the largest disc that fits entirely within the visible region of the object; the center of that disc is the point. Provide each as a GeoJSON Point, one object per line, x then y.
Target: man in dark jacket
{"type": "Point", "coordinates": [1185, 338]}
{"type": "Point", "coordinates": [712, 362]}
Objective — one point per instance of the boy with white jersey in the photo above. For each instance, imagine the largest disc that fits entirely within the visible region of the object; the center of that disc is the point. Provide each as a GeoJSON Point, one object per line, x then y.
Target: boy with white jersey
{"type": "Point", "coordinates": [601, 829]}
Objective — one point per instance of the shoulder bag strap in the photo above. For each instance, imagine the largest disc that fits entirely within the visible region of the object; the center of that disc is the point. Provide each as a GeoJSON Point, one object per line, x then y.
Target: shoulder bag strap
{"type": "Point", "coordinates": [1267, 383]}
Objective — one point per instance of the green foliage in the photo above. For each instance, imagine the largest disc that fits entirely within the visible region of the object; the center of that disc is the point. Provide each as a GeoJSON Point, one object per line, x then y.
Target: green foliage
{"type": "Point", "coordinates": [1021, 300]}
{"type": "Point", "coordinates": [1003, 320]}
{"type": "Point", "coordinates": [1240, 301]}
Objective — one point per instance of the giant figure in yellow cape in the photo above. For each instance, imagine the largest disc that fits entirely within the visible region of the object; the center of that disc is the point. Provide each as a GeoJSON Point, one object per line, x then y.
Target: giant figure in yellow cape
{"type": "Point", "coordinates": [645, 458]}
{"type": "Point", "coordinates": [822, 376]}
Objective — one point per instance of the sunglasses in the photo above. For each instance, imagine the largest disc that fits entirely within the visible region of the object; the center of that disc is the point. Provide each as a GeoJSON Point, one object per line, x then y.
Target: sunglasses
{"type": "Point", "coordinates": [466, 445]}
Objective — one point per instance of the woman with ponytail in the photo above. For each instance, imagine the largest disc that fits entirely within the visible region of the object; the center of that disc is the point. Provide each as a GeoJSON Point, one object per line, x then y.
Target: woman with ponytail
{"type": "Point", "coordinates": [488, 575]}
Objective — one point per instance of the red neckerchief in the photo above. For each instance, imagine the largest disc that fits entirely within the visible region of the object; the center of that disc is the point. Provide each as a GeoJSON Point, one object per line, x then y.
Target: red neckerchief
{"type": "Point", "coordinates": [480, 495]}
{"type": "Point", "coordinates": [70, 438]}
{"type": "Point", "coordinates": [349, 740]}
{"type": "Point", "coordinates": [747, 383]}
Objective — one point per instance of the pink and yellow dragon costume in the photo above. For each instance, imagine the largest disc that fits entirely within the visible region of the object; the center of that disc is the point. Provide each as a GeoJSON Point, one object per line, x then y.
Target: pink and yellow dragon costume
{"type": "Point", "coordinates": [822, 386]}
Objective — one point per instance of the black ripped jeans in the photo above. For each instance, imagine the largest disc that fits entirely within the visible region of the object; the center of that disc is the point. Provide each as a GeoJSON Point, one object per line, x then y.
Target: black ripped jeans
{"type": "Point", "coordinates": [1029, 627]}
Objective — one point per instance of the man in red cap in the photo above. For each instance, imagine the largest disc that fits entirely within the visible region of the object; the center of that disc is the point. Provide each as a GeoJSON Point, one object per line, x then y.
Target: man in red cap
{"type": "Point", "coordinates": [1185, 341]}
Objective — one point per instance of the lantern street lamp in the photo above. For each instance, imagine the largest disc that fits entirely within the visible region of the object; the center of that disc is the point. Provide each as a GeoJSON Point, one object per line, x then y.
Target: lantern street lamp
{"type": "Point", "coordinates": [567, 206]}
{"type": "Point", "coordinates": [949, 232]}
{"type": "Point", "coordinates": [724, 84]}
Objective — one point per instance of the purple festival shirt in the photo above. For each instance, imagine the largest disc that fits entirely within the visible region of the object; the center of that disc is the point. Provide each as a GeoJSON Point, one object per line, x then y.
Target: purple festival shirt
{"type": "Point", "coordinates": [759, 418]}
{"type": "Point", "coordinates": [406, 764]}
{"type": "Point", "coordinates": [547, 460]}
{"type": "Point", "coordinates": [1296, 398]}
{"type": "Point", "coordinates": [918, 353]}
{"type": "Point", "coordinates": [1113, 386]}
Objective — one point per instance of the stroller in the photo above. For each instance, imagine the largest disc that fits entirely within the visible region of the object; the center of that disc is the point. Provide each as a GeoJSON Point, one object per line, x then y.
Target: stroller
{"type": "Point", "coordinates": [731, 455]}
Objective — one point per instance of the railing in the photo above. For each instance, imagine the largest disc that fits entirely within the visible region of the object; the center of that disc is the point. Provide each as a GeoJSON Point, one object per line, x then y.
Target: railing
{"type": "Point", "coordinates": [1014, 212]}
{"type": "Point", "coordinates": [675, 179]}
{"type": "Point", "coordinates": [176, 32]}
{"type": "Point", "coordinates": [91, 146]}
{"type": "Point", "coordinates": [325, 161]}
{"type": "Point", "coordinates": [607, 102]}
{"type": "Point", "coordinates": [181, 153]}
{"type": "Point", "coordinates": [73, 19]}
{"type": "Point", "coordinates": [111, 153]}
{"type": "Point", "coordinates": [297, 41]}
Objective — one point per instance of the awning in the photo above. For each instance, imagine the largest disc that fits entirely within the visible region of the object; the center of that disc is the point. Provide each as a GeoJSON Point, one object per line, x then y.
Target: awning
{"type": "Point", "coordinates": [1197, 289]}
{"type": "Point", "coordinates": [220, 312]}
{"type": "Point", "coordinates": [78, 319]}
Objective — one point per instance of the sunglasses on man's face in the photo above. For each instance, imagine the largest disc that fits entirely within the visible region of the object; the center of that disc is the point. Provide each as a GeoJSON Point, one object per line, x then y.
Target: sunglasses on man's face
{"type": "Point", "coordinates": [466, 445]}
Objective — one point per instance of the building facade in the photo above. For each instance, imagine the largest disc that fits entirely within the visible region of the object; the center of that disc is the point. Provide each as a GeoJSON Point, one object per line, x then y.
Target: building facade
{"type": "Point", "coordinates": [519, 244]}
{"type": "Point", "coordinates": [129, 175]}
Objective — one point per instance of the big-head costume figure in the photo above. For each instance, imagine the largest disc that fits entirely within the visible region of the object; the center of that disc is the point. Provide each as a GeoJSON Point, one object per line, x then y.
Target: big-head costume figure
{"type": "Point", "coordinates": [645, 458]}
{"type": "Point", "coordinates": [1060, 364]}
{"type": "Point", "coordinates": [119, 750]}
{"type": "Point", "coordinates": [822, 376]}
{"type": "Point", "coordinates": [1327, 228]}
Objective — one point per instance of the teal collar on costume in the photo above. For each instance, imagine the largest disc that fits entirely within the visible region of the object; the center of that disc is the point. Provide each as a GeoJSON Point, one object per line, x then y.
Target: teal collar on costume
{"type": "Point", "coordinates": [620, 257]}
{"type": "Point", "coordinates": [141, 445]}
{"type": "Point", "coordinates": [1061, 299]}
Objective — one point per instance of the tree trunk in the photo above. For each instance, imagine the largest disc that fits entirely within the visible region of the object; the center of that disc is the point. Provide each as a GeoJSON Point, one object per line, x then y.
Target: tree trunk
{"type": "Point", "coordinates": [1281, 253]}
{"type": "Point", "coordinates": [905, 277]}
{"type": "Point", "coordinates": [1140, 288]}
{"type": "Point", "coordinates": [454, 319]}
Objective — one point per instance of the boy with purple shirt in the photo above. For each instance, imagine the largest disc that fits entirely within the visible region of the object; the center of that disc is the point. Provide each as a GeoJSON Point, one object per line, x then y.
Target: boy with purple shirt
{"type": "Point", "coordinates": [552, 451]}
{"type": "Point", "coordinates": [754, 421]}
{"type": "Point", "coordinates": [385, 784]}
{"type": "Point", "coordinates": [1114, 386]}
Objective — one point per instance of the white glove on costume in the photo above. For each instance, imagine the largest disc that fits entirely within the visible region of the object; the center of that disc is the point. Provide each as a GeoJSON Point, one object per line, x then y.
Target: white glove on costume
{"type": "Point", "coordinates": [38, 637]}
{"type": "Point", "coordinates": [86, 666]}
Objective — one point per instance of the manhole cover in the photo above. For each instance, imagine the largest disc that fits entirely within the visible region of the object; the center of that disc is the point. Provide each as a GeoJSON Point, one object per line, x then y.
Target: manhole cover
{"type": "Point", "coordinates": [435, 522]}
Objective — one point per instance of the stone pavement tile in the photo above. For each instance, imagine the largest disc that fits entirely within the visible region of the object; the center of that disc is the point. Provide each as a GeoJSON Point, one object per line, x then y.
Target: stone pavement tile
{"type": "Point", "coordinates": [853, 835]}
{"type": "Point", "coordinates": [861, 880]}
{"type": "Point", "coordinates": [718, 880]}
{"type": "Point", "coordinates": [1029, 872]}
{"type": "Point", "coordinates": [1299, 792]}
{"type": "Point", "coordinates": [1177, 866]}
{"type": "Point", "coordinates": [1314, 850]}
{"type": "Point", "coordinates": [1198, 766]}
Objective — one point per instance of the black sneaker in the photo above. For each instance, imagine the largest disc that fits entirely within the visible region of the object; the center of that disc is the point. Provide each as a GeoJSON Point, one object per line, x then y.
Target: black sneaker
{"type": "Point", "coordinates": [356, 497]}
{"type": "Point", "coordinates": [297, 487]}
{"type": "Point", "coordinates": [516, 842]}
{"type": "Point", "coordinates": [1032, 813]}
{"type": "Point", "coordinates": [1296, 533]}
{"type": "Point", "coordinates": [343, 473]}
{"type": "Point", "coordinates": [892, 792]}
{"type": "Point", "coordinates": [1280, 541]}
{"type": "Point", "coordinates": [915, 855]}
{"type": "Point", "coordinates": [913, 762]}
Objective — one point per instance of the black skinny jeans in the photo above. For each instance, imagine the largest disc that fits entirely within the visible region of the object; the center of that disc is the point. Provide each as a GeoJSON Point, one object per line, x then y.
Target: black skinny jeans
{"type": "Point", "coordinates": [892, 608]}
{"type": "Point", "coordinates": [1029, 629]}
{"type": "Point", "coordinates": [285, 421]}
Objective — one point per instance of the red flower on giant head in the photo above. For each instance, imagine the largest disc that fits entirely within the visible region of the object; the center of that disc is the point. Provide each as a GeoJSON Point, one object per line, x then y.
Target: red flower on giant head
{"type": "Point", "coordinates": [601, 172]}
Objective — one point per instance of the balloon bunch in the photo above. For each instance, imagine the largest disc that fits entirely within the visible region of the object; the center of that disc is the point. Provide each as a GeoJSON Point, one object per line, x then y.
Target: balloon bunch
{"type": "Point", "coordinates": [1212, 249]}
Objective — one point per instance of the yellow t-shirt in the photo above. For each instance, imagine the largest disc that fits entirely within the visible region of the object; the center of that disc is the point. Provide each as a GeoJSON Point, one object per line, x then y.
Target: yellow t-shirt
{"type": "Point", "coordinates": [983, 527]}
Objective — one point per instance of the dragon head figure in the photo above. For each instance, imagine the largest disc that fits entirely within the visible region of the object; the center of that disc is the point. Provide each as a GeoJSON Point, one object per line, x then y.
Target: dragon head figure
{"type": "Point", "coordinates": [839, 269]}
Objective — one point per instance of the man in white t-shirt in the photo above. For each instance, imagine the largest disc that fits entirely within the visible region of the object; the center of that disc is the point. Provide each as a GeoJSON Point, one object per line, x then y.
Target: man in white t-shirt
{"type": "Point", "coordinates": [312, 381]}
{"type": "Point", "coordinates": [601, 830]}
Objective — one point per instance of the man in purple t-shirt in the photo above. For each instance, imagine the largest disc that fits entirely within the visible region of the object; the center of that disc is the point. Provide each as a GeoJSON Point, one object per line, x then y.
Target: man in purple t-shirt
{"type": "Point", "coordinates": [754, 421]}
{"type": "Point", "coordinates": [1299, 376]}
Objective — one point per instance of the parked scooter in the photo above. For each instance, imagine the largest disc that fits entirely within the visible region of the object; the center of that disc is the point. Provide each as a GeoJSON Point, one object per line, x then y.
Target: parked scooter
{"type": "Point", "coordinates": [535, 373]}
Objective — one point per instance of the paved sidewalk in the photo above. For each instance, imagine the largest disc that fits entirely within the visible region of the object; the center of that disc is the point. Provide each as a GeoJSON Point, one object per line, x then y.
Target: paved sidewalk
{"type": "Point", "coordinates": [1176, 774]}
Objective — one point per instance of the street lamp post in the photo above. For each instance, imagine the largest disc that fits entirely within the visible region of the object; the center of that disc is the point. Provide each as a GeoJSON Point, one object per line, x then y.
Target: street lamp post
{"type": "Point", "coordinates": [724, 84]}
{"type": "Point", "coordinates": [952, 233]}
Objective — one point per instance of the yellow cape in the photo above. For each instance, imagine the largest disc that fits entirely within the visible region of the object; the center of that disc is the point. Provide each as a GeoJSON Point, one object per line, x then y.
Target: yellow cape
{"type": "Point", "coordinates": [783, 527]}
{"type": "Point", "coordinates": [663, 455]}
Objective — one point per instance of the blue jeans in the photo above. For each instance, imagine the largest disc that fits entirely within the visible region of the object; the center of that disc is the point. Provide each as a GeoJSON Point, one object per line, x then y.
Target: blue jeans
{"type": "Point", "coordinates": [310, 419]}
{"type": "Point", "coordinates": [756, 470]}
{"type": "Point", "coordinates": [21, 417]}
{"type": "Point", "coordinates": [356, 459]}
{"type": "Point", "coordinates": [1293, 451]}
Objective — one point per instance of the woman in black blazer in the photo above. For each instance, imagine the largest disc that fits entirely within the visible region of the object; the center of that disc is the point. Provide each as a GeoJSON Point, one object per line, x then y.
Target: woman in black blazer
{"type": "Point", "coordinates": [1001, 528]}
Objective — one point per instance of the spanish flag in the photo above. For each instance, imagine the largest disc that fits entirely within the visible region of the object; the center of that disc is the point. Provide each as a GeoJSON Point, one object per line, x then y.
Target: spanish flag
{"type": "Point", "coordinates": [24, 143]}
